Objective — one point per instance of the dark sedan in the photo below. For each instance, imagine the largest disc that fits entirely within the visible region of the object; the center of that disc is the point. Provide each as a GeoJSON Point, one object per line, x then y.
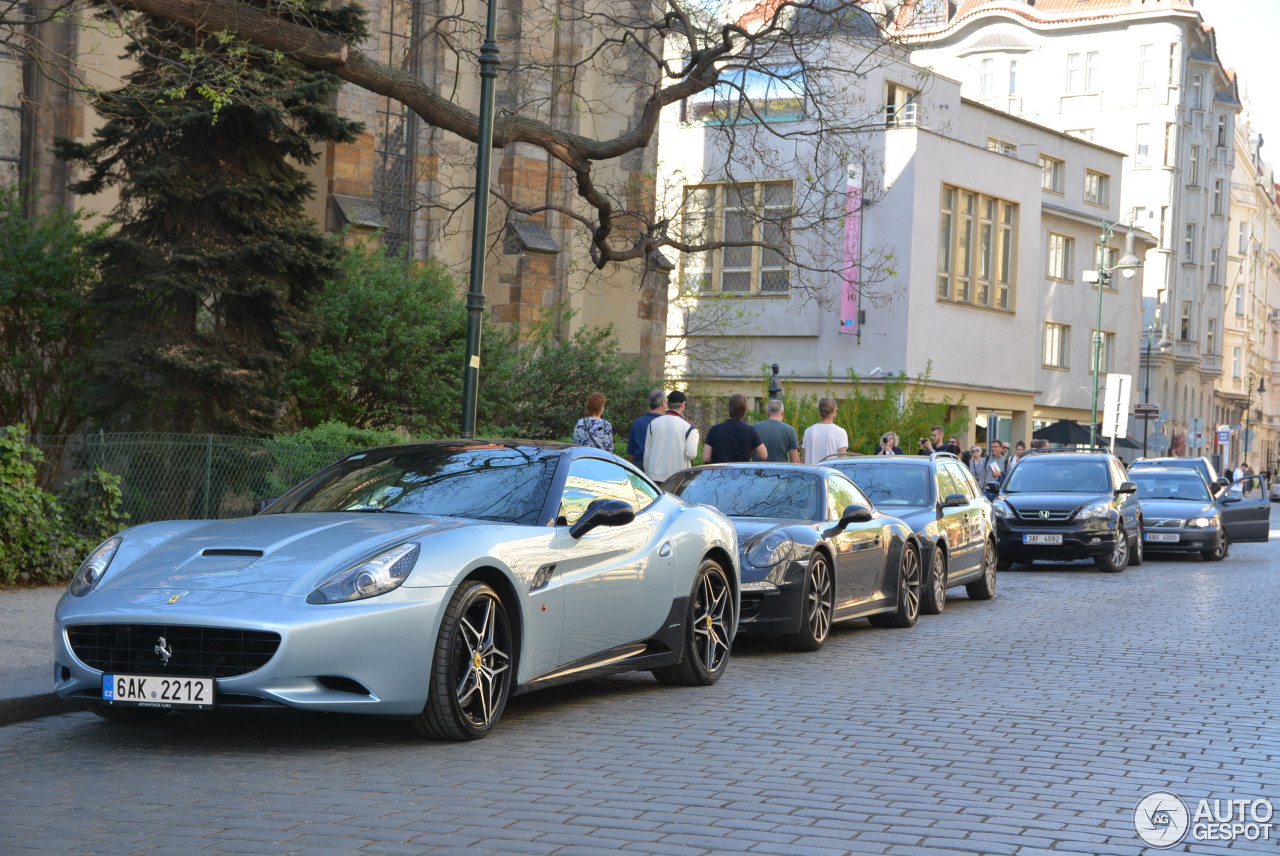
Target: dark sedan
{"type": "Point", "coordinates": [1179, 515]}
{"type": "Point", "coordinates": [813, 549]}
{"type": "Point", "coordinates": [939, 499]}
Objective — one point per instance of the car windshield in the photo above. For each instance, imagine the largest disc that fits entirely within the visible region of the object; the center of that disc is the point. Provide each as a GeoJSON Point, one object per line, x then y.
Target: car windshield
{"type": "Point", "coordinates": [1155, 485]}
{"type": "Point", "coordinates": [891, 484]}
{"type": "Point", "coordinates": [487, 482]}
{"type": "Point", "coordinates": [1040, 475]}
{"type": "Point", "coordinates": [752, 492]}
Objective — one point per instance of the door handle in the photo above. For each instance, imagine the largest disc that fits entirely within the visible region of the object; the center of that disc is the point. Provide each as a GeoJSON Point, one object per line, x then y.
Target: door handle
{"type": "Point", "coordinates": [665, 550]}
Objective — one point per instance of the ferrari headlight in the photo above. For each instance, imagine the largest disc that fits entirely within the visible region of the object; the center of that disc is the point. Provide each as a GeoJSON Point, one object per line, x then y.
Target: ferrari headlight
{"type": "Point", "coordinates": [92, 569]}
{"type": "Point", "coordinates": [370, 578]}
{"type": "Point", "coordinates": [1097, 509]}
{"type": "Point", "coordinates": [769, 549]}
{"type": "Point", "coordinates": [1202, 523]}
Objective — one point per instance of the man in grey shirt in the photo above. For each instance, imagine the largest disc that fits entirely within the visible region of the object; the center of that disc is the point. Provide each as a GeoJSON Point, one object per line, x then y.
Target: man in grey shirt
{"type": "Point", "coordinates": [778, 437]}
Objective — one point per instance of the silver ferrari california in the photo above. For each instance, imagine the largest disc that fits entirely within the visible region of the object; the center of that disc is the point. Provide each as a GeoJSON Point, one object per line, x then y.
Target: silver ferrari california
{"type": "Point", "coordinates": [429, 581]}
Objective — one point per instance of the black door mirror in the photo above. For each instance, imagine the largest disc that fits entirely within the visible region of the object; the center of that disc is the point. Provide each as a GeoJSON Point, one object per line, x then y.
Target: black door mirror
{"type": "Point", "coordinates": [602, 512]}
{"type": "Point", "coordinates": [852, 514]}
{"type": "Point", "coordinates": [1127, 487]}
{"type": "Point", "coordinates": [955, 500]}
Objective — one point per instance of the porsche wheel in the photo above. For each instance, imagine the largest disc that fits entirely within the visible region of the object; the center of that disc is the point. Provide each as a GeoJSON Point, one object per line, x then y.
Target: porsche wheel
{"type": "Point", "coordinates": [908, 609]}
{"type": "Point", "coordinates": [984, 588]}
{"type": "Point", "coordinates": [471, 670]}
{"type": "Point", "coordinates": [1118, 559]}
{"type": "Point", "coordinates": [706, 633]}
{"type": "Point", "coordinates": [819, 607]}
{"type": "Point", "coordinates": [118, 713]}
{"type": "Point", "coordinates": [933, 593]}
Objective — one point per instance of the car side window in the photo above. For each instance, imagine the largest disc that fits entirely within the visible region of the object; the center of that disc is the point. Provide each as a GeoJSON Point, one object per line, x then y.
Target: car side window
{"type": "Point", "coordinates": [958, 480]}
{"type": "Point", "coordinates": [590, 479]}
{"type": "Point", "coordinates": [841, 493]}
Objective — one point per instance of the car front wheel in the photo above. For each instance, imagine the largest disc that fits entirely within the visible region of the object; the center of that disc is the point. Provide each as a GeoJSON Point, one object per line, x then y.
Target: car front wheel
{"type": "Point", "coordinates": [707, 631]}
{"type": "Point", "coordinates": [471, 669]}
{"type": "Point", "coordinates": [908, 592]}
{"type": "Point", "coordinates": [933, 593]}
{"type": "Point", "coordinates": [1118, 559]}
{"type": "Point", "coordinates": [1217, 554]}
{"type": "Point", "coordinates": [819, 605]}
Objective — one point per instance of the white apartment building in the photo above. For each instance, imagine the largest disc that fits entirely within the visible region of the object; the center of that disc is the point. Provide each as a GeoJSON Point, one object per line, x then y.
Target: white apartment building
{"type": "Point", "coordinates": [966, 258]}
{"type": "Point", "coordinates": [1141, 77]}
{"type": "Point", "coordinates": [1246, 393]}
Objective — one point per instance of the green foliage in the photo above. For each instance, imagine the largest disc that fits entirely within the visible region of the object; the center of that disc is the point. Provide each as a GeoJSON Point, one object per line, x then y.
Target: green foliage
{"type": "Point", "coordinates": [94, 506]}
{"type": "Point", "coordinates": [392, 344]}
{"type": "Point", "coordinates": [866, 412]}
{"type": "Point", "coordinates": [204, 292]}
{"type": "Point", "coordinates": [46, 326]}
{"type": "Point", "coordinates": [36, 544]}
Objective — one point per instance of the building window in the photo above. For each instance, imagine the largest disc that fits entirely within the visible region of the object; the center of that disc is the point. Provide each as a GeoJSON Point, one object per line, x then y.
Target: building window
{"type": "Point", "coordinates": [1215, 256]}
{"type": "Point", "coordinates": [901, 109]}
{"type": "Point", "coordinates": [1147, 65]}
{"type": "Point", "coordinates": [1001, 147]}
{"type": "Point", "coordinates": [1197, 84]}
{"type": "Point", "coordinates": [1164, 227]}
{"type": "Point", "coordinates": [1096, 187]}
{"type": "Point", "coordinates": [988, 78]}
{"type": "Point", "coordinates": [1051, 174]}
{"type": "Point", "coordinates": [1075, 72]}
{"type": "Point", "coordinates": [1193, 167]}
{"type": "Point", "coordinates": [1184, 329]}
{"type": "Point", "coordinates": [1189, 244]}
{"type": "Point", "coordinates": [1106, 356]}
{"type": "Point", "coordinates": [1170, 144]}
{"type": "Point", "coordinates": [1222, 130]}
{"type": "Point", "coordinates": [1235, 363]}
{"type": "Point", "coordinates": [1239, 301]}
{"type": "Point", "coordinates": [747, 95]}
{"type": "Point", "coordinates": [1013, 77]}
{"type": "Point", "coordinates": [1142, 147]}
{"type": "Point", "coordinates": [1059, 257]}
{"type": "Point", "coordinates": [756, 214]}
{"type": "Point", "coordinates": [1057, 339]}
{"type": "Point", "coordinates": [1210, 337]}
{"type": "Point", "coordinates": [976, 236]}
{"type": "Point", "coordinates": [1217, 196]}
{"type": "Point", "coordinates": [1242, 244]}
{"type": "Point", "coordinates": [1092, 71]}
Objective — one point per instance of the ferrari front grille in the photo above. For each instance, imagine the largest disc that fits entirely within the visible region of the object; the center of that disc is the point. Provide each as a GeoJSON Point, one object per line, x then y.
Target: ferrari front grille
{"type": "Point", "coordinates": [172, 649]}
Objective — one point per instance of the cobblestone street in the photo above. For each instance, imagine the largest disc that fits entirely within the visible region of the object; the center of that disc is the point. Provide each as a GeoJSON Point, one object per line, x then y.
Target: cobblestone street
{"type": "Point", "coordinates": [1029, 724]}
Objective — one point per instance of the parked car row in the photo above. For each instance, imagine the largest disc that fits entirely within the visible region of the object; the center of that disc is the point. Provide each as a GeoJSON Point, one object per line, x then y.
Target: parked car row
{"type": "Point", "coordinates": [433, 581]}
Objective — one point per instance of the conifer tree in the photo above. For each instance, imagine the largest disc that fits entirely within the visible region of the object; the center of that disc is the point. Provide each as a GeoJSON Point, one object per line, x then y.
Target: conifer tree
{"type": "Point", "coordinates": [203, 299]}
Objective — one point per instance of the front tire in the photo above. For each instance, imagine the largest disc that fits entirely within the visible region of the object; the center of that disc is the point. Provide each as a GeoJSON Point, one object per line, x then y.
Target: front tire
{"type": "Point", "coordinates": [1118, 560]}
{"type": "Point", "coordinates": [984, 588]}
{"type": "Point", "coordinates": [707, 631]}
{"type": "Point", "coordinates": [471, 670]}
{"type": "Point", "coordinates": [908, 593]}
{"type": "Point", "coordinates": [1218, 553]}
{"type": "Point", "coordinates": [819, 607]}
{"type": "Point", "coordinates": [933, 593]}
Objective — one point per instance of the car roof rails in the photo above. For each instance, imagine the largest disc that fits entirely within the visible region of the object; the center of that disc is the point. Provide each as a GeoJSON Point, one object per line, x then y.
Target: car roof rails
{"type": "Point", "coordinates": [946, 455]}
{"type": "Point", "coordinates": [840, 455]}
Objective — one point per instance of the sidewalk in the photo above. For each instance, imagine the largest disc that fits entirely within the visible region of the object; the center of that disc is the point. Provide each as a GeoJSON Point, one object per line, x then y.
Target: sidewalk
{"type": "Point", "coordinates": [26, 654]}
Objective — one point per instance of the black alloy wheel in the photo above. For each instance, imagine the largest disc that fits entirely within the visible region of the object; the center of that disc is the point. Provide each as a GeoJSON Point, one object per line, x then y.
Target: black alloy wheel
{"type": "Point", "coordinates": [908, 609]}
{"type": "Point", "coordinates": [1218, 553]}
{"type": "Point", "coordinates": [819, 607]}
{"type": "Point", "coordinates": [471, 671]}
{"type": "Point", "coordinates": [1136, 552]}
{"type": "Point", "coordinates": [1118, 559]}
{"type": "Point", "coordinates": [984, 588]}
{"type": "Point", "coordinates": [933, 593]}
{"type": "Point", "coordinates": [707, 632]}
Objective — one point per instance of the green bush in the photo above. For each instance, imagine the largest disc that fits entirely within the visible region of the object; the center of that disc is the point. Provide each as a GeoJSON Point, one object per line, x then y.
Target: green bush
{"type": "Point", "coordinates": [37, 544]}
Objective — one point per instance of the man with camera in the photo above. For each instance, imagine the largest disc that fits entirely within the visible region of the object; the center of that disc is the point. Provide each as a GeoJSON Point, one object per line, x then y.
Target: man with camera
{"type": "Point", "coordinates": [933, 443]}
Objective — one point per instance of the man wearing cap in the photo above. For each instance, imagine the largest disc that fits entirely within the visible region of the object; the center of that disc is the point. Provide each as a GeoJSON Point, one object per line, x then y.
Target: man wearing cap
{"type": "Point", "coordinates": [672, 440]}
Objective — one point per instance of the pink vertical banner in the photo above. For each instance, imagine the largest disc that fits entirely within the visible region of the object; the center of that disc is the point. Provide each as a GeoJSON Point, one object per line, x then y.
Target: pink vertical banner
{"type": "Point", "coordinates": [852, 268]}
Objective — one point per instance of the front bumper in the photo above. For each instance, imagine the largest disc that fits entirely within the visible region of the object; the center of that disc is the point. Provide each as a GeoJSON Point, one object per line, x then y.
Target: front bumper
{"type": "Point", "coordinates": [371, 656]}
{"type": "Point", "coordinates": [1189, 540]}
{"type": "Point", "coordinates": [1088, 539]}
{"type": "Point", "coordinates": [769, 609]}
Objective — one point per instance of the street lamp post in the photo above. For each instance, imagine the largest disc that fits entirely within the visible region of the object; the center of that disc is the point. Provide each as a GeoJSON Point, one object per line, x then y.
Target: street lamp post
{"type": "Point", "coordinates": [1246, 440]}
{"type": "Point", "coordinates": [1128, 266]}
{"type": "Point", "coordinates": [479, 223]}
{"type": "Point", "coordinates": [1151, 330]}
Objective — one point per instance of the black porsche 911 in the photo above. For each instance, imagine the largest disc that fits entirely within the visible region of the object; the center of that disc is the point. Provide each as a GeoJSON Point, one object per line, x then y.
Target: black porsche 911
{"type": "Point", "coordinates": [813, 549]}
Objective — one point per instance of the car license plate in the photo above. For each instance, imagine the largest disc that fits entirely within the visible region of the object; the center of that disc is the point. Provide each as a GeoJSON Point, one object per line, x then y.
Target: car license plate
{"type": "Point", "coordinates": [1042, 539]}
{"type": "Point", "coordinates": [1162, 537]}
{"type": "Point", "coordinates": [153, 691]}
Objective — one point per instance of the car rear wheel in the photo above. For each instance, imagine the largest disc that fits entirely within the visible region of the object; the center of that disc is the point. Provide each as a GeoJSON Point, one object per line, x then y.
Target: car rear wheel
{"type": "Point", "coordinates": [471, 669]}
{"type": "Point", "coordinates": [118, 713]}
{"type": "Point", "coordinates": [819, 605]}
{"type": "Point", "coordinates": [1118, 559]}
{"type": "Point", "coordinates": [706, 632]}
{"type": "Point", "coordinates": [933, 593]}
{"type": "Point", "coordinates": [1218, 553]}
{"type": "Point", "coordinates": [908, 593]}
{"type": "Point", "coordinates": [984, 588]}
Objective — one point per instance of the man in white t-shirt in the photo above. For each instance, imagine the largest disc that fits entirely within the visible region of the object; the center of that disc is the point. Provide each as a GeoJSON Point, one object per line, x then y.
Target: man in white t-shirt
{"type": "Point", "coordinates": [672, 440]}
{"type": "Point", "coordinates": [824, 438]}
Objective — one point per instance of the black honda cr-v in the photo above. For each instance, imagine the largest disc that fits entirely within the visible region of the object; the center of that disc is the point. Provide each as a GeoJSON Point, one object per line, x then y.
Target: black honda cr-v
{"type": "Point", "coordinates": [1058, 506]}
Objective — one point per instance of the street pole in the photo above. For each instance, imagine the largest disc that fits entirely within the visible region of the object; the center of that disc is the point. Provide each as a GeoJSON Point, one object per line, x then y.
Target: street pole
{"type": "Point", "coordinates": [479, 223]}
{"type": "Point", "coordinates": [1128, 266]}
{"type": "Point", "coordinates": [1146, 396]}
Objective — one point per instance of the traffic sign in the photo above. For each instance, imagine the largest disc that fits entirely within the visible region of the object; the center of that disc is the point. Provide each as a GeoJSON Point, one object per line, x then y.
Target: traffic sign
{"type": "Point", "coordinates": [1246, 441]}
{"type": "Point", "coordinates": [1153, 409]}
{"type": "Point", "coordinates": [1224, 435]}
{"type": "Point", "coordinates": [1196, 425]}
{"type": "Point", "coordinates": [1195, 439]}
{"type": "Point", "coordinates": [1157, 442]}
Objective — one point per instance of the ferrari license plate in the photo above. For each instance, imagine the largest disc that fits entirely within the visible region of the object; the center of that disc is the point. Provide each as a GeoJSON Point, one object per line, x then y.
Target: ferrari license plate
{"type": "Point", "coordinates": [1042, 539]}
{"type": "Point", "coordinates": [1162, 537]}
{"type": "Point", "coordinates": [153, 691]}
